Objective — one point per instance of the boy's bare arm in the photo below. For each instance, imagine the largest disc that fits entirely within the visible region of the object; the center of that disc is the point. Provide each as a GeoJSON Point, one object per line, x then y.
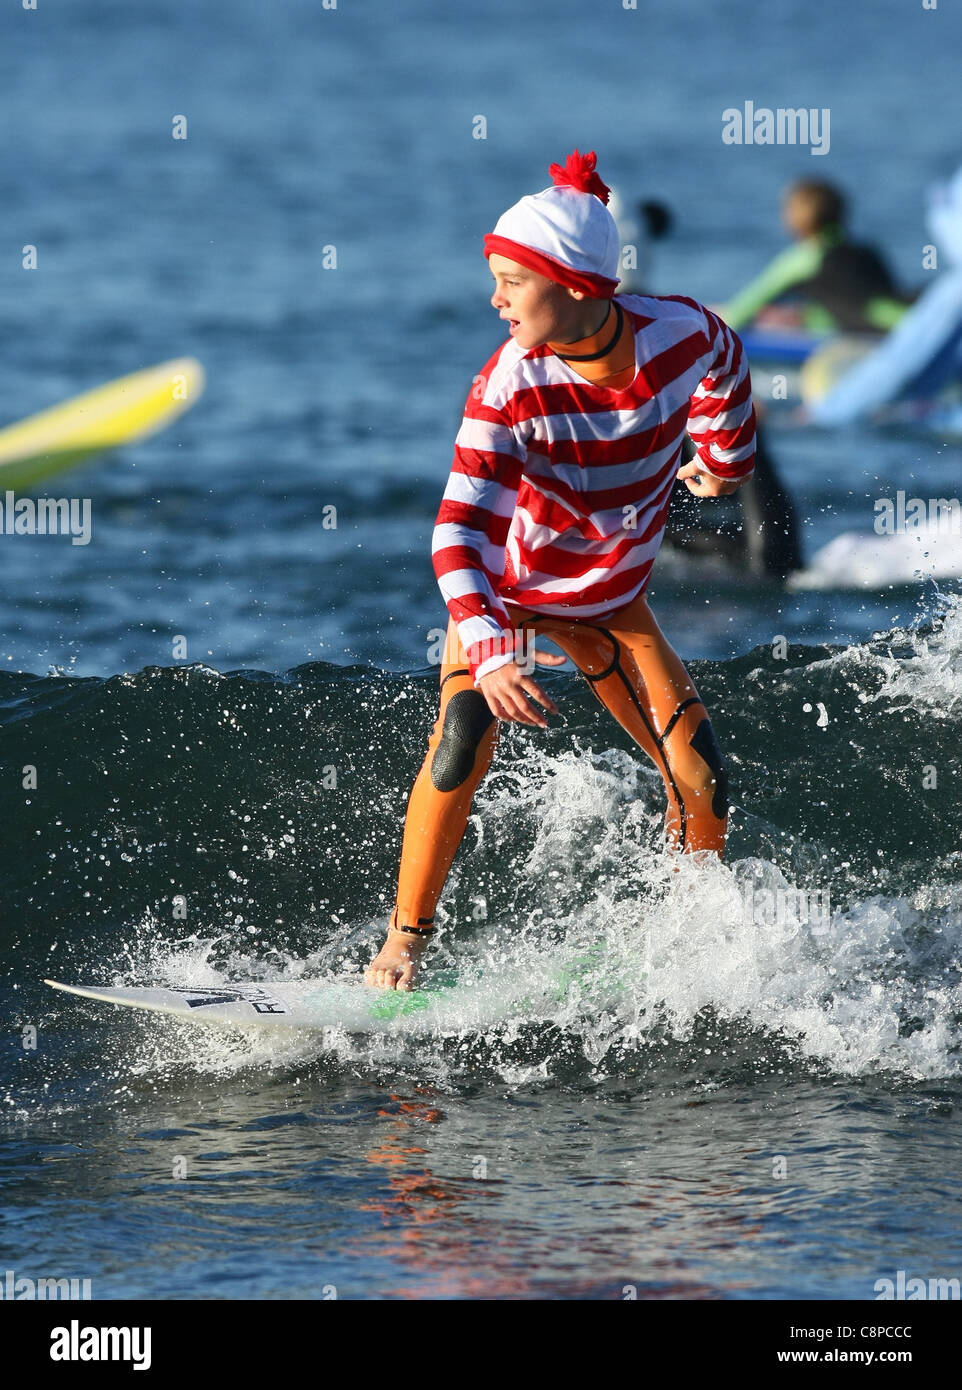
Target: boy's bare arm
{"type": "Point", "coordinates": [507, 690]}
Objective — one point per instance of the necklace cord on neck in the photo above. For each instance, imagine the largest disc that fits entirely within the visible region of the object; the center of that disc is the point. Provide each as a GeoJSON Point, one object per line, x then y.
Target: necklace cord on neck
{"type": "Point", "coordinates": [594, 356]}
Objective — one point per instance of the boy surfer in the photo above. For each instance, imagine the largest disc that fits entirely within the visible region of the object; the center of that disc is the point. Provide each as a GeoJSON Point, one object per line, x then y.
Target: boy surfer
{"type": "Point", "coordinates": [551, 519]}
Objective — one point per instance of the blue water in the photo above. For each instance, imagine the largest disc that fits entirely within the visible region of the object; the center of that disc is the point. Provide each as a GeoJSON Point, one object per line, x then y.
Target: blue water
{"type": "Point", "coordinates": [632, 1135]}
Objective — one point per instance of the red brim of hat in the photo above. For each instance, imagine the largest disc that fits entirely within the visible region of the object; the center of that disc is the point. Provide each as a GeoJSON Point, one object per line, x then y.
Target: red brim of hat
{"type": "Point", "coordinates": [595, 286]}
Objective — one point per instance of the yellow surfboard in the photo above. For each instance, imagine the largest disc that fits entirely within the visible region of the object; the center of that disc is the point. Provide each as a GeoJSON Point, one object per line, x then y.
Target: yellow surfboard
{"type": "Point", "coordinates": [125, 410]}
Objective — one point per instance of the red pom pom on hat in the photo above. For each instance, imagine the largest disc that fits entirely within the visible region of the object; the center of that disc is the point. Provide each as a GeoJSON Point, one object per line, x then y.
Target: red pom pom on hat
{"type": "Point", "coordinates": [578, 172]}
{"type": "Point", "coordinates": [573, 241]}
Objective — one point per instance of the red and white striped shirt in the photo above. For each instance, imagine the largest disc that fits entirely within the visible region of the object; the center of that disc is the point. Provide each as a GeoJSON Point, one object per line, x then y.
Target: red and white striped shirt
{"type": "Point", "coordinates": [558, 494]}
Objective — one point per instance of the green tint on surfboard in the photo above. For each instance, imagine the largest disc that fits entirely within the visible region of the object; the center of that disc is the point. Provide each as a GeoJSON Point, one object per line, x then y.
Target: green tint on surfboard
{"type": "Point", "coordinates": [447, 1001]}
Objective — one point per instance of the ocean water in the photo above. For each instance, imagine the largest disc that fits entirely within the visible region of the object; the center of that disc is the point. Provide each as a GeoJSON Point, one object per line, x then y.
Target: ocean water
{"type": "Point", "coordinates": [762, 1054]}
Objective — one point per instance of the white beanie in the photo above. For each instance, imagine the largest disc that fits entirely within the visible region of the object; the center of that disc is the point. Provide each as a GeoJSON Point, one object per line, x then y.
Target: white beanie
{"type": "Point", "coordinates": [565, 232]}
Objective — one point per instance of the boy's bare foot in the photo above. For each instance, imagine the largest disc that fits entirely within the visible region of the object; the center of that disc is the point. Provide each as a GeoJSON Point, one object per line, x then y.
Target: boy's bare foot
{"type": "Point", "coordinates": [396, 964]}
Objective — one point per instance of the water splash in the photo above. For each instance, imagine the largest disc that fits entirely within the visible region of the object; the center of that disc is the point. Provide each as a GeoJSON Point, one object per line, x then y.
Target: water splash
{"type": "Point", "coordinates": [618, 950]}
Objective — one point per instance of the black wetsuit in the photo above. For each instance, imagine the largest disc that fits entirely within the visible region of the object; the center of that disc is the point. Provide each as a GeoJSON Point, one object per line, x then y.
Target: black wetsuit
{"type": "Point", "coordinates": [755, 527]}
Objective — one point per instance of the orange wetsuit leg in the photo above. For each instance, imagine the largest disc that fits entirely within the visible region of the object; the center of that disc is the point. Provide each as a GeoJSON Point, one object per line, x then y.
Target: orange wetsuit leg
{"type": "Point", "coordinates": [459, 754]}
{"type": "Point", "coordinates": [635, 673]}
{"type": "Point", "coordinates": [638, 676]}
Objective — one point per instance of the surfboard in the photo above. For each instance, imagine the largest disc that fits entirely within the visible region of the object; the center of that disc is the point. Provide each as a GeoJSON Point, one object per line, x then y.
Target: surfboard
{"type": "Point", "coordinates": [121, 412]}
{"type": "Point", "coordinates": [311, 1005]}
{"type": "Point", "coordinates": [779, 344]}
{"type": "Point", "coordinates": [444, 1003]}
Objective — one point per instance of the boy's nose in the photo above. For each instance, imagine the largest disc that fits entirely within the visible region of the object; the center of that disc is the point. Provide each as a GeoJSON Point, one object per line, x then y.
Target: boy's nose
{"type": "Point", "coordinates": [497, 300]}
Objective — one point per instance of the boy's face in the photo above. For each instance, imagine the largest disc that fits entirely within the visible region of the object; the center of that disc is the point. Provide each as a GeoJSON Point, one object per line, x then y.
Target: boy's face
{"type": "Point", "coordinates": [536, 309]}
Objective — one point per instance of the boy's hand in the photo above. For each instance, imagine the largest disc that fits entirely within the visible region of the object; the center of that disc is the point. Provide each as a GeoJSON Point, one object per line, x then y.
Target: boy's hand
{"type": "Point", "coordinates": [704, 484]}
{"type": "Point", "coordinates": [507, 689]}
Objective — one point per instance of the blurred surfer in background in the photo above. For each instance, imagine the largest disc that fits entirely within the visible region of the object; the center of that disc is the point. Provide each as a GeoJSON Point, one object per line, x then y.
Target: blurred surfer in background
{"type": "Point", "coordinates": [922, 355]}
{"type": "Point", "coordinates": [838, 285]}
{"type": "Point", "coordinates": [551, 521]}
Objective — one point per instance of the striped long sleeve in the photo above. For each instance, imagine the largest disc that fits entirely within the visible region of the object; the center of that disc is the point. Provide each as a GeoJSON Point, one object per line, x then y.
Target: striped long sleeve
{"type": "Point", "coordinates": [722, 419]}
{"type": "Point", "coordinates": [472, 528]}
{"type": "Point", "coordinates": [559, 491]}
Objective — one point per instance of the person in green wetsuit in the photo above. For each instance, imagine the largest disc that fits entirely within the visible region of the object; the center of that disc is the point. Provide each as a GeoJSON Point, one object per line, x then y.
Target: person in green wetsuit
{"type": "Point", "coordinates": [844, 287]}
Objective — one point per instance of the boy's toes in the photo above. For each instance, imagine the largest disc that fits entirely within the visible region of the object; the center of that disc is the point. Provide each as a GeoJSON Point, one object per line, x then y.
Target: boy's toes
{"type": "Point", "coordinates": [382, 977]}
{"type": "Point", "coordinates": [391, 974]}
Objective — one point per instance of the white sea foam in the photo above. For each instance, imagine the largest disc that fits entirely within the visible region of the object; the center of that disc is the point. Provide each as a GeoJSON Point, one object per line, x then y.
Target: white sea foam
{"type": "Point", "coordinates": [907, 668]}
{"type": "Point", "coordinates": [864, 560]}
{"type": "Point", "coordinates": [612, 942]}
{"type": "Point", "coordinates": [928, 675]}
{"type": "Point", "coordinates": [843, 990]}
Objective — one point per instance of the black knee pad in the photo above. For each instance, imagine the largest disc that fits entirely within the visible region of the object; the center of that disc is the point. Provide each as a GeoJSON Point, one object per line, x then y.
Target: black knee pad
{"type": "Point", "coordinates": [466, 720]}
{"type": "Point", "coordinates": [706, 746]}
